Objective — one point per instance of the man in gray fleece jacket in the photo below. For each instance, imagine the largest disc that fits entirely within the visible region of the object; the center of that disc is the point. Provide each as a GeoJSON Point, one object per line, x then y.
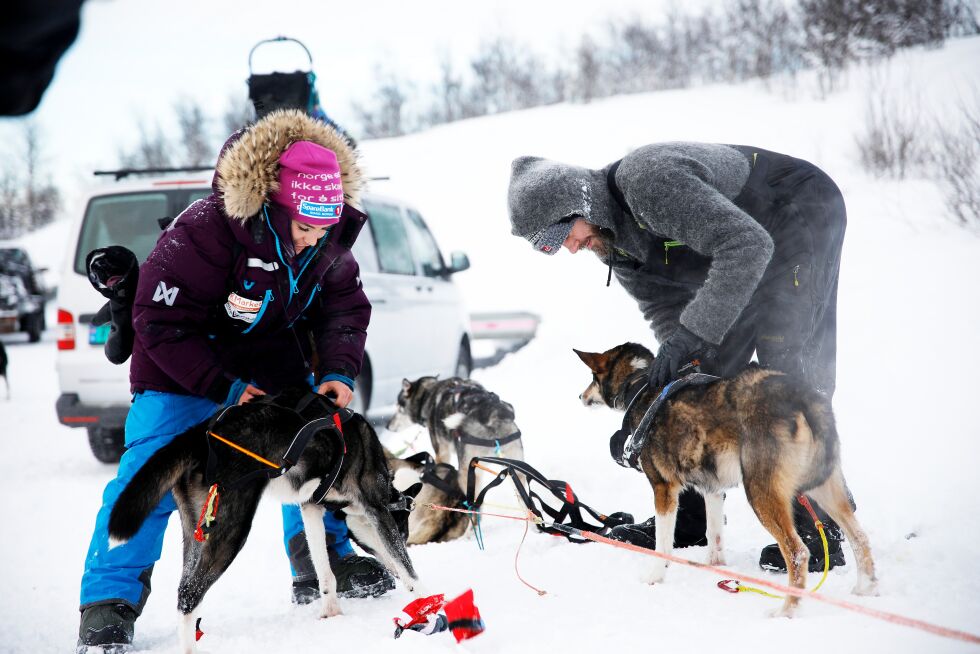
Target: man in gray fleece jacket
{"type": "Point", "coordinates": [728, 250]}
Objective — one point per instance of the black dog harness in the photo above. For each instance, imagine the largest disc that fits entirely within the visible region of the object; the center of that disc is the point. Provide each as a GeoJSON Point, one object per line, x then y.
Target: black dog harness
{"type": "Point", "coordinates": [625, 446]}
{"type": "Point", "coordinates": [331, 424]}
{"type": "Point", "coordinates": [571, 508]}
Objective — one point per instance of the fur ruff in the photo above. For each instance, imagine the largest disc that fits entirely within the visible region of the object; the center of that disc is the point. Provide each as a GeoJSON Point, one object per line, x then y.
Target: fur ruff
{"type": "Point", "coordinates": [248, 172]}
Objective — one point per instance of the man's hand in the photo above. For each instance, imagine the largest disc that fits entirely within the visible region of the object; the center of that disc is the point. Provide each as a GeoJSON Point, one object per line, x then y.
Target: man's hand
{"type": "Point", "coordinates": [679, 349]}
{"type": "Point", "coordinates": [342, 394]}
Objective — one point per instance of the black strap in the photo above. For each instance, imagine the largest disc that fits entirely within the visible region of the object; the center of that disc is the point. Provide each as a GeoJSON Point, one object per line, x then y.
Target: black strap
{"type": "Point", "coordinates": [431, 476]}
{"type": "Point", "coordinates": [295, 450]}
{"type": "Point", "coordinates": [638, 438]}
{"type": "Point", "coordinates": [614, 189]}
{"type": "Point", "coordinates": [571, 508]}
{"type": "Point", "coordinates": [487, 442]}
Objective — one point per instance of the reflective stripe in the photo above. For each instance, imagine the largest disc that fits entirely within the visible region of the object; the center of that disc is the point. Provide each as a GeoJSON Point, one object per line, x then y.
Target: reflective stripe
{"type": "Point", "coordinates": [254, 262]}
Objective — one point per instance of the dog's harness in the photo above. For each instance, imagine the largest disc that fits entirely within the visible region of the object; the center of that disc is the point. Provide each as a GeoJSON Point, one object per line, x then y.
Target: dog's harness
{"type": "Point", "coordinates": [571, 508]}
{"type": "Point", "coordinates": [332, 424]}
{"type": "Point", "coordinates": [430, 475]}
{"type": "Point", "coordinates": [624, 445]}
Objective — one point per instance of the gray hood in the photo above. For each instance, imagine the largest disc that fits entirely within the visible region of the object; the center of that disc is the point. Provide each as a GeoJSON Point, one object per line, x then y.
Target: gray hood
{"type": "Point", "coordinates": [542, 192]}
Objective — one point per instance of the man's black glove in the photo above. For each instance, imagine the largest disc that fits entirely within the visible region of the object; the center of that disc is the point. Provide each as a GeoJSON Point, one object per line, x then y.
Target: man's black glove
{"type": "Point", "coordinates": [681, 348]}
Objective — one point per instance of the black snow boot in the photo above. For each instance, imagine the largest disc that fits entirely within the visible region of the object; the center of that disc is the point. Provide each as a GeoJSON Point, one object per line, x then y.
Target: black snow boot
{"type": "Point", "coordinates": [106, 629]}
{"type": "Point", "coordinates": [357, 576]}
{"type": "Point", "coordinates": [688, 532]}
{"type": "Point", "coordinates": [772, 559]}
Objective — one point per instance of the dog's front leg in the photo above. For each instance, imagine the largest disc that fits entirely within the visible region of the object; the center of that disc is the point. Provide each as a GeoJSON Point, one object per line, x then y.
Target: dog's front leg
{"type": "Point", "coordinates": [714, 509]}
{"type": "Point", "coordinates": [316, 537]}
{"type": "Point", "coordinates": [665, 500]}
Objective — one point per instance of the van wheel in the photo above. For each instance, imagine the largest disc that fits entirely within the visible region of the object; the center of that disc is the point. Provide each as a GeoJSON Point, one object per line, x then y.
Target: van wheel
{"type": "Point", "coordinates": [464, 361]}
{"type": "Point", "coordinates": [107, 444]}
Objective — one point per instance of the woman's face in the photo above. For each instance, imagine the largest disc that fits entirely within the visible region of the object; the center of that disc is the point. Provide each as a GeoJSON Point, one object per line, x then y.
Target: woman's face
{"type": "Point", "coordinates": [305, 235]}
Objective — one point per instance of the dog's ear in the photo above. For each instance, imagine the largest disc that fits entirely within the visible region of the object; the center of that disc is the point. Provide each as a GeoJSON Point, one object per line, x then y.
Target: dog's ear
{"type": "Point", "coordinates": [595, 361]}
{"type": "Point", "coordinates": [406, 385]}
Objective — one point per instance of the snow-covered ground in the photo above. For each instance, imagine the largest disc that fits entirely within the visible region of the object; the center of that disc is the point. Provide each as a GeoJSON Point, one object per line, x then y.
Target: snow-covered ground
{"type": "Point", "coordinates": [906, 401]}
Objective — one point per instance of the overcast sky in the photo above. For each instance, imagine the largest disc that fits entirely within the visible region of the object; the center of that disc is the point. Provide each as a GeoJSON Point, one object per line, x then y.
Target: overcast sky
{"type": "Point", "coordinates": [134, 59]}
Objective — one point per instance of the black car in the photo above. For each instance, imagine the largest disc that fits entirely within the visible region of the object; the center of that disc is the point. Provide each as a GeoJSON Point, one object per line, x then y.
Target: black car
{"type": "Point", "coordinates": [22, 296]}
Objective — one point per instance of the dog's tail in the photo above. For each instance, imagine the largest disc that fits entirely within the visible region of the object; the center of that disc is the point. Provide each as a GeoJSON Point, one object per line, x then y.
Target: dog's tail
{"type": "Point", "coordinates": [820, 418]}
{"type": "Point", "coordinates": [149, 485]}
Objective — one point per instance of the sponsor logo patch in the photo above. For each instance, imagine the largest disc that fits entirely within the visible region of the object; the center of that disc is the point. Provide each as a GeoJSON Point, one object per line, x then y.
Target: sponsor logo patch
{"type": "Point", "coordinates": [242, 308]}
{"type": "Point", "coordinates": [321, 210]}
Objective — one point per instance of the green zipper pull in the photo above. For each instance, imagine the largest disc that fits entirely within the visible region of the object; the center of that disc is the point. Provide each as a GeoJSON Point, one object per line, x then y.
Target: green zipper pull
{"type": "Point", "coordinates": [796, 280]}
{"type": "Point", "coordinates": [667, 246]}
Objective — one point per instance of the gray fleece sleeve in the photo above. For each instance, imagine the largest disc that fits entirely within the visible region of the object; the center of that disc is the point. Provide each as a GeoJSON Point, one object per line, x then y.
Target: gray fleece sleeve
{"type": "Point", "coordinates": [677, 196]}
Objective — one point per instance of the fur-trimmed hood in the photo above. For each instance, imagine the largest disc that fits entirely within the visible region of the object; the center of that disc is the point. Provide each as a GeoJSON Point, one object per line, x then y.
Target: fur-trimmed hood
{"type": "Point", "coordinates": [248, 167]}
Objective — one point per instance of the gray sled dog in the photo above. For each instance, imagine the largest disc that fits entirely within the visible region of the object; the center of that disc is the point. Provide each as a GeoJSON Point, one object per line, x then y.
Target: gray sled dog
{"type": "Point", "coordinates": [437, 484]}
{"type": "Point", "coordinates": [763, 428]}
{"type": "Point", "coordinates": [462, 418]}
{"type": "Point", "coordinates": [361, 488]}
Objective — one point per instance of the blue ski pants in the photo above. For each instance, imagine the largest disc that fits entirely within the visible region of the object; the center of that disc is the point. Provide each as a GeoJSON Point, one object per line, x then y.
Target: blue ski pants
{"type": "Point", "coordinates": [122, 573]}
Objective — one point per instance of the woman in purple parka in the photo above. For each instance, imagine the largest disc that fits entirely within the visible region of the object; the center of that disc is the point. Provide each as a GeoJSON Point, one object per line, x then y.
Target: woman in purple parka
{"type": "Point", "coordinates": [243, 292]}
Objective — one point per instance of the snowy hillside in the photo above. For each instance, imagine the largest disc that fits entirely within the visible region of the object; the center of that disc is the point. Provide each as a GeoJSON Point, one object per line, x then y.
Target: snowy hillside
{"type": "Point", "coordinates": [910, 442]}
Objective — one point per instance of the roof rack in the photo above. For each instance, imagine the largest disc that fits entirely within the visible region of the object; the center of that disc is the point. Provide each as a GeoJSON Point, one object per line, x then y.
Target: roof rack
{"type": "Point", "coordinates": [126, 172]}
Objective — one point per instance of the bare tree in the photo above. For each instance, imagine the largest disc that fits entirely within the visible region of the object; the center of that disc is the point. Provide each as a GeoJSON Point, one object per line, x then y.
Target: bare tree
{"type": "Point", "coordinates": [589, 70]}
{"type": "Point", "coordinates": [41, 198]}
{"type": "Point", "coordinates": [152, 151]}
{"type": "Point", "coordinates": [387, 115]}
{"type": "Point", "coordinates": [239, 112]}
{"type": "Point", "coordinates": [957, 159]}
{"type": "Point", "coordinates": [195, 144]}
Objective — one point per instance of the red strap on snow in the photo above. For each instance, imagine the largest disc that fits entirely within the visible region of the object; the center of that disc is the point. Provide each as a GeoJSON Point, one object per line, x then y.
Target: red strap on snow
{"type": "Point", "coordinates": [420, 609]}
{"type": "Point", "coordinates": [463, 617]}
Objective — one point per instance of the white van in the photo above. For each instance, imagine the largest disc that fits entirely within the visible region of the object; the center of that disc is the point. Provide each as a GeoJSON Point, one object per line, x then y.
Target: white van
{"type": "Point", "coordinates": [418, 323]}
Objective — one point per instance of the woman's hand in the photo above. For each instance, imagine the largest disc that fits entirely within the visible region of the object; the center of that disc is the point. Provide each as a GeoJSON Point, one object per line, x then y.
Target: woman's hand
{"type": "Point", "coordinates": [342, 394]}
{"type": "Point", "coordinates": [250, 393]}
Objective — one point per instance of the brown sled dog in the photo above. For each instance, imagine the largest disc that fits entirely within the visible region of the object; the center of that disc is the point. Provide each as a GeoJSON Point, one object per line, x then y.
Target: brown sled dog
{"type": "Point", "coordinates": [763, 428]}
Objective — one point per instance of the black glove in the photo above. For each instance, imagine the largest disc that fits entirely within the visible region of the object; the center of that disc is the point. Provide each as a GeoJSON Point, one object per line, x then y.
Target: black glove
{"type": "Point", "coordinates": [114, 272]}
{"type": "Point", "coordinates": [681, 348]}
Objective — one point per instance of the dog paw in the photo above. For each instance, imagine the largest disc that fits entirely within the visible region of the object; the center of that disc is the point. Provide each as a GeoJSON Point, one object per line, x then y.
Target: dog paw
{"type": "Point", "coordinates": [783, 612]}
{"type": "Point", "coordinates": [866, 587]}
{"type": "Point", "coordinates": [330, 608]}
{"type": "Point", "coordinates": [716, 558]}
{"type": "Point", "coordinates": [656, 574]}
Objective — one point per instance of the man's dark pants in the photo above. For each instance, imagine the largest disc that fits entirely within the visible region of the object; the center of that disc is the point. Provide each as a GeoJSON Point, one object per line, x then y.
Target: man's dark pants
{"type": "Point", "coordinates": [791, 321]}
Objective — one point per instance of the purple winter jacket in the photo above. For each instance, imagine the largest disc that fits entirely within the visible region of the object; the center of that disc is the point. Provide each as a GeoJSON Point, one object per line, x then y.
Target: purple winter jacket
{"type": "Point", "coordinates": [222, 296]}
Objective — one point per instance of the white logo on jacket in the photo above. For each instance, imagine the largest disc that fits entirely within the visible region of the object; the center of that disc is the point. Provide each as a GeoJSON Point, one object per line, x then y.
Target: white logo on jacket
{"type": "Point", "coordinates": [168, 295]}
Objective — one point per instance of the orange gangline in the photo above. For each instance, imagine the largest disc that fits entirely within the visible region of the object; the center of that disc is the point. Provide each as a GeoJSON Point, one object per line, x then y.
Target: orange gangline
{"type": "Point", "coordinates": [244, 451]}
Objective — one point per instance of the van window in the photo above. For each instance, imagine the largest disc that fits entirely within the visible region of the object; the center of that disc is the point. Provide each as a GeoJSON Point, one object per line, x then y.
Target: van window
{"type": "Point", "coordinates": [128, 219]}
{"type": "Point", "coordinates": [424, 245]}
{"type": "Point", "coordinates": [363, 251]}
{"type": "Point", "coordinates": [388, 229]}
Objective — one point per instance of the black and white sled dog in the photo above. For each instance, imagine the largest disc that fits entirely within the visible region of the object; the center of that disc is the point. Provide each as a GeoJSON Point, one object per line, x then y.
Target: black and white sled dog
{"type": "Point", "coordinates": [267, 427]}
{"type": "Point", "coordinates": [462, 417]}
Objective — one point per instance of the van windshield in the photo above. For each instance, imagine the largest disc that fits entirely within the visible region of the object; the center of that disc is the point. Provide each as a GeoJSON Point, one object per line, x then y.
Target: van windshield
{"type": "Point", "coordinates": [130, 220]}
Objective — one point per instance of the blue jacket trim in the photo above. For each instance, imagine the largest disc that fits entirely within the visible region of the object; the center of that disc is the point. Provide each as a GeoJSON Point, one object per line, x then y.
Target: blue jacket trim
{"type": "Point", "coordinates": [334, 376]}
